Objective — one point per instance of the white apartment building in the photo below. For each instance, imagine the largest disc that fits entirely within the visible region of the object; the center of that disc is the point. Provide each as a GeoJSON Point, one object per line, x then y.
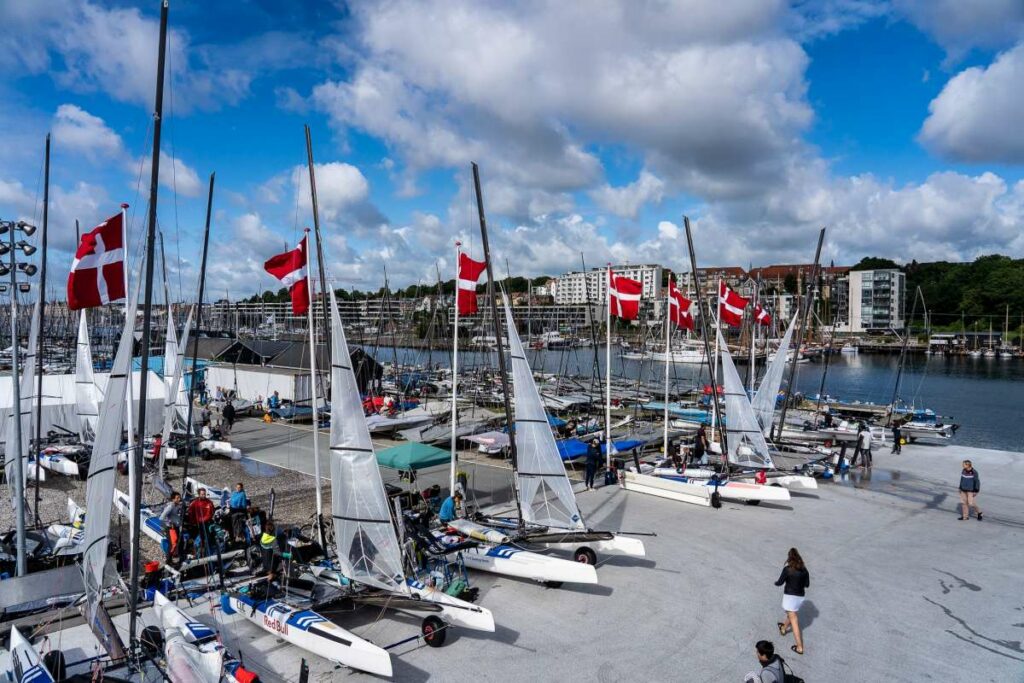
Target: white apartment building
{"type": "Point", "coordinates": [579, 287]}
{"type": "Point", "coordinates": [877, 300]}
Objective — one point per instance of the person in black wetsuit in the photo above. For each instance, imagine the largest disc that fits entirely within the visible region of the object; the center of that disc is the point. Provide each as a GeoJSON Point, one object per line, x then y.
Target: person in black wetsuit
{"type": "Point", "coordinates": [700, 445]}
{"type": "Point", "coordinates": [593, 461]}
{"type": "Point", "coordinates": [797, 579]}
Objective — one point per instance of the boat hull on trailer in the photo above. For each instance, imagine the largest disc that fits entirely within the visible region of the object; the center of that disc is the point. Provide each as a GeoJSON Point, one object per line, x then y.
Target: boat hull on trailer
{"type": "Point", "coordinates": [311, 632]}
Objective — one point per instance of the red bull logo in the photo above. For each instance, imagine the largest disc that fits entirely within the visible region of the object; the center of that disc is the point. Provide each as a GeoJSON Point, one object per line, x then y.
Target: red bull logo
{"type": "Point", "coordinates": [275, 625]}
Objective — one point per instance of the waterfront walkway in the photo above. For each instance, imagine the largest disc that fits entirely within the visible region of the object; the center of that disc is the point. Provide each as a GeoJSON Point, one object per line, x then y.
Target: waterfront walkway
{"type": "Point", "coordinates": [900, 589]}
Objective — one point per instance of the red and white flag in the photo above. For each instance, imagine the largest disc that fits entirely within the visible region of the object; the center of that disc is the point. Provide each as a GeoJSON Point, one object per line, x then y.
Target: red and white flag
{"type": "Point", "coordinates": [624, 296]}
{"type": "Point", "coordinates": [469, 274]}
{"type": "Point", "coordinates": [679, 307]}
{"type": "Point", "coordinates": [730, 306]}
{"type": "Point", "coordinates": [290, 269]}
{"type": "Point", "coordinates": [97, 273]}
{"type": "Point", "coordinates": [762, 316]}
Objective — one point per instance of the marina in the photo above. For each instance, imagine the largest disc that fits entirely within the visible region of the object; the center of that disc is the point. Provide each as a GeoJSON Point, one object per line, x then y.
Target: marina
{"type": "Point", "coordinates": [496, 473]}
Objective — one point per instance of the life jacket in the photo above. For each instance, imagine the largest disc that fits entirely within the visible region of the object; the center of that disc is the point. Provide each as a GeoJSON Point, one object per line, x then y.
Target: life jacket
{"type": "Point", "coordinates": [267, 541]}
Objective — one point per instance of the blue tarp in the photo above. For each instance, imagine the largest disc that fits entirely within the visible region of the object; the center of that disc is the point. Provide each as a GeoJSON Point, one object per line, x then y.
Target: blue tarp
{"type": "Point", "coordinates": [570, 449]}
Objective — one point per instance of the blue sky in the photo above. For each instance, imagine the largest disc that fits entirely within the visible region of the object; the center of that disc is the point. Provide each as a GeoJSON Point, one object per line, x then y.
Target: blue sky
{"type": "Point", "coordinates": [894, 123]}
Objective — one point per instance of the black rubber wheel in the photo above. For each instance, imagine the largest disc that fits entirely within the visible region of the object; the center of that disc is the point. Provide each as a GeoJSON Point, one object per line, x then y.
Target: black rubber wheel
{"type": "Point", "coordinates": [434, 631]}
{"type": "Point", "coordinates": [152, 640]}
{"type": "Point", "coordinates": [54, 663]}
{"type": "Point", "coordinates": [753, 502]}
{"type": "Point", "coordinates": [716, 499]}
{"type": "Point", "coordinates": [205, 454]}
{"type": "Point", "coordinates": [552, 584]}
{"type": "Point", "coordinates": [585, 556]}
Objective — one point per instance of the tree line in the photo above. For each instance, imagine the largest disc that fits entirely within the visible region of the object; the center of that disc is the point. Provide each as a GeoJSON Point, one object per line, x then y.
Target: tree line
{"type": "Point", "coordinates": [513, 285]}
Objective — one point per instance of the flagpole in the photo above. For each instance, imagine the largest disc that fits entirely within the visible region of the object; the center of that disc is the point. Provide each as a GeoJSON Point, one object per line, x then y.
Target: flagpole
{"type": "Point", "coordinates": [312, 388]}
{"type": "Point", "coordinates": [608, 371]}
{"type": "Point", "coordinates": [455, 372]}
{"type": "Point", "coordinates": [668, 354]}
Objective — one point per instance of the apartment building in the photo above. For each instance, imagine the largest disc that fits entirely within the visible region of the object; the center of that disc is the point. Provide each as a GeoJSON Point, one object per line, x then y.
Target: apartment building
{"type": "Point", "coordinates": [579, 287]}
{"type": "Point", "coordinates": [877, 300]}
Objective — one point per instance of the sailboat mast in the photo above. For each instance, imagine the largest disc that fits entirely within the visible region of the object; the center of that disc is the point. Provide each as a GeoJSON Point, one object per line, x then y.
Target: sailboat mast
{"type": "Point", "coordinates": [808, 296]}
{"type": "Point", "coordinates": [492, 301]}
{"type": "Point", "coordinates": [668, 357]}
{"type": "Point", "coordinates": [42, 320]}
{"type": "Point", "coordinates": [147, 315]}
{"type": "Point", "coordinates": [751, 369]}
{"type": "Point", "coordinates": [316, 231]}
{"type": "Point", "coordinates": [189, 425]}
{"type": "Point", "coordinates": [455, 371]}
{"type": "Point", "coordinates": [699, 292]}
{"type": "Point", "coordinates": [316, 410]}
{"type": "Point", "coordinates": [608, 369]}
{"type": "Point", "coordinates": [903, 354]}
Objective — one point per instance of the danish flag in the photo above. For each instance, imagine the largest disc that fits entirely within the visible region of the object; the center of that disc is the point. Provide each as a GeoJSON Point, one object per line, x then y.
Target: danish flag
{"type": "Point", "coordinates": [97, 273]}
{"type": "Point", "coordinates": [290, 269]}
{"type": "Point", "coordinates": [624, 296]}
{"type": "Point", "coordinates": [469, 275]}
{"type": "Point", "coordinates": [730, 306]}
{"type": "Point", "coordinates": [679, 307]}
{"type": "Point", "coordinates": [762, 316]}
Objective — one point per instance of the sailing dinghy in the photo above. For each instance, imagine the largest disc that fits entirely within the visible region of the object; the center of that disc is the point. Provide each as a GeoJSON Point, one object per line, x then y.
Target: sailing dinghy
{"type": "Point", "coordinates": [25, 661]}
{"type": "Point", "coordinates": [192, 649]}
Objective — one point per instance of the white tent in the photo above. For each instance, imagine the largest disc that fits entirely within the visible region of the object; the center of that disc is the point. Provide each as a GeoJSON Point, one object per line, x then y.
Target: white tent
{"type": "Point", "coordinates": [59, 401]}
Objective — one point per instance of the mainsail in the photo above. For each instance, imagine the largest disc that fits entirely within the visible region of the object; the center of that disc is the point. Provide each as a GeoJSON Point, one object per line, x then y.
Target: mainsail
{"type": "Point", "coordinates": [368, 551]}
{"type": "Point", "coordinates": [747, 447]}
{"type": "Point", "coordinates": [28, 389]}
{"type": "Point", "coordinates": [764, 400]}
{"type": "Point", "coordinates": [87, 403]}
{"type": "Point", "coordinates": [99, 488]}
{"type": "Point", "coordinates": [544, 489]}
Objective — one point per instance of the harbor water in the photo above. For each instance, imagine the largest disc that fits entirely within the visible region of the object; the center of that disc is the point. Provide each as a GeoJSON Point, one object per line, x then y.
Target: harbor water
{"type": "Point", "coordinates": [983, 395]}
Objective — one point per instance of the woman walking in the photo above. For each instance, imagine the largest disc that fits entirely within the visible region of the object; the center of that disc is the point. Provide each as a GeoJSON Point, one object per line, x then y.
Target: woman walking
{"type": "Point", "coordinates": [796, 578]}
{"type": "Point", "coordinates": [970, 485]}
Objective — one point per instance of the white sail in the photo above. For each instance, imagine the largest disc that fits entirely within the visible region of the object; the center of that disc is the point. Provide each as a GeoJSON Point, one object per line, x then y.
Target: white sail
{"type": "Point", "coordinates": [99, 488]}
{"type": "Point", "coordinates": [747, 447]}
{"type": "Point", "coordinates": [175, 398]}
{"type": "Point", "coordinates": [767, 394]}
{"type": "Point", "coordinates": [544, 489]}
{"type": "Point", "coordinates": [28, 389]}
{"type": "Point", "coordinates": [87, 400]}
{"type": "Point", "coordinates": [368, 550]}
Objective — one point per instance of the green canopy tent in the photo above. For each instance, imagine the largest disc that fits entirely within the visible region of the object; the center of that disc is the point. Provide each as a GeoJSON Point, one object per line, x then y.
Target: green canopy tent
{"type": "Point", "coordinates": [412, 456]}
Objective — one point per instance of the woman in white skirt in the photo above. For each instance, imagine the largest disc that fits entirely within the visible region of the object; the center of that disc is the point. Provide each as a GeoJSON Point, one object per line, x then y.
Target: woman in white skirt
{"type": "Point", "coordinates": [796, 579]}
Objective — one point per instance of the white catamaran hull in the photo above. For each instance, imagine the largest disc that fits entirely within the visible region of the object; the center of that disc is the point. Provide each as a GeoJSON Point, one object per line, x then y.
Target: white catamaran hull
{"type": "Point", "coordinates": [311, 632]}
{"type": "Point", "coordinates": [508, 560]}
{"type": "Point", "coordinates": [59, 464]}
{"type": "Point", "coordinates": [617, 545]}
{"type": "Point", "coordinates": [683, 492]}
{"type": "Point", "coordinates": [793, 482]}
{"type": "Point", "coordinates": [28, 667]}
{"type": "Point", "coordinates": [730, 489]}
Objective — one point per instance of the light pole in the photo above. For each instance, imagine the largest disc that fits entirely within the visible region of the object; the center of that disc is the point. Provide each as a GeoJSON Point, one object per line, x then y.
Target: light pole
{"type": "Point", "coordinates": [10, 248]}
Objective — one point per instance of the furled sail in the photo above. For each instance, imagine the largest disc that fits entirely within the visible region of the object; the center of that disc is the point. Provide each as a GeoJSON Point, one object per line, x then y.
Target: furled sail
{"type": "Point", "coordinates": [747, 447]}
{"type": "Point", "coordinates": [367, 546]}
{"type": "Point", "coordinates": [28, 385]}
{"type": "Point", "coordinates": [544, 489]}
{"type": "Point", "coordinates": [87, 399]}
{"type": "Point", "coordinates": [175, 397]}
{"type": "Point", "coordinates": [99, 487]}
{"type": "Point", "coordinates": [766, 395]}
